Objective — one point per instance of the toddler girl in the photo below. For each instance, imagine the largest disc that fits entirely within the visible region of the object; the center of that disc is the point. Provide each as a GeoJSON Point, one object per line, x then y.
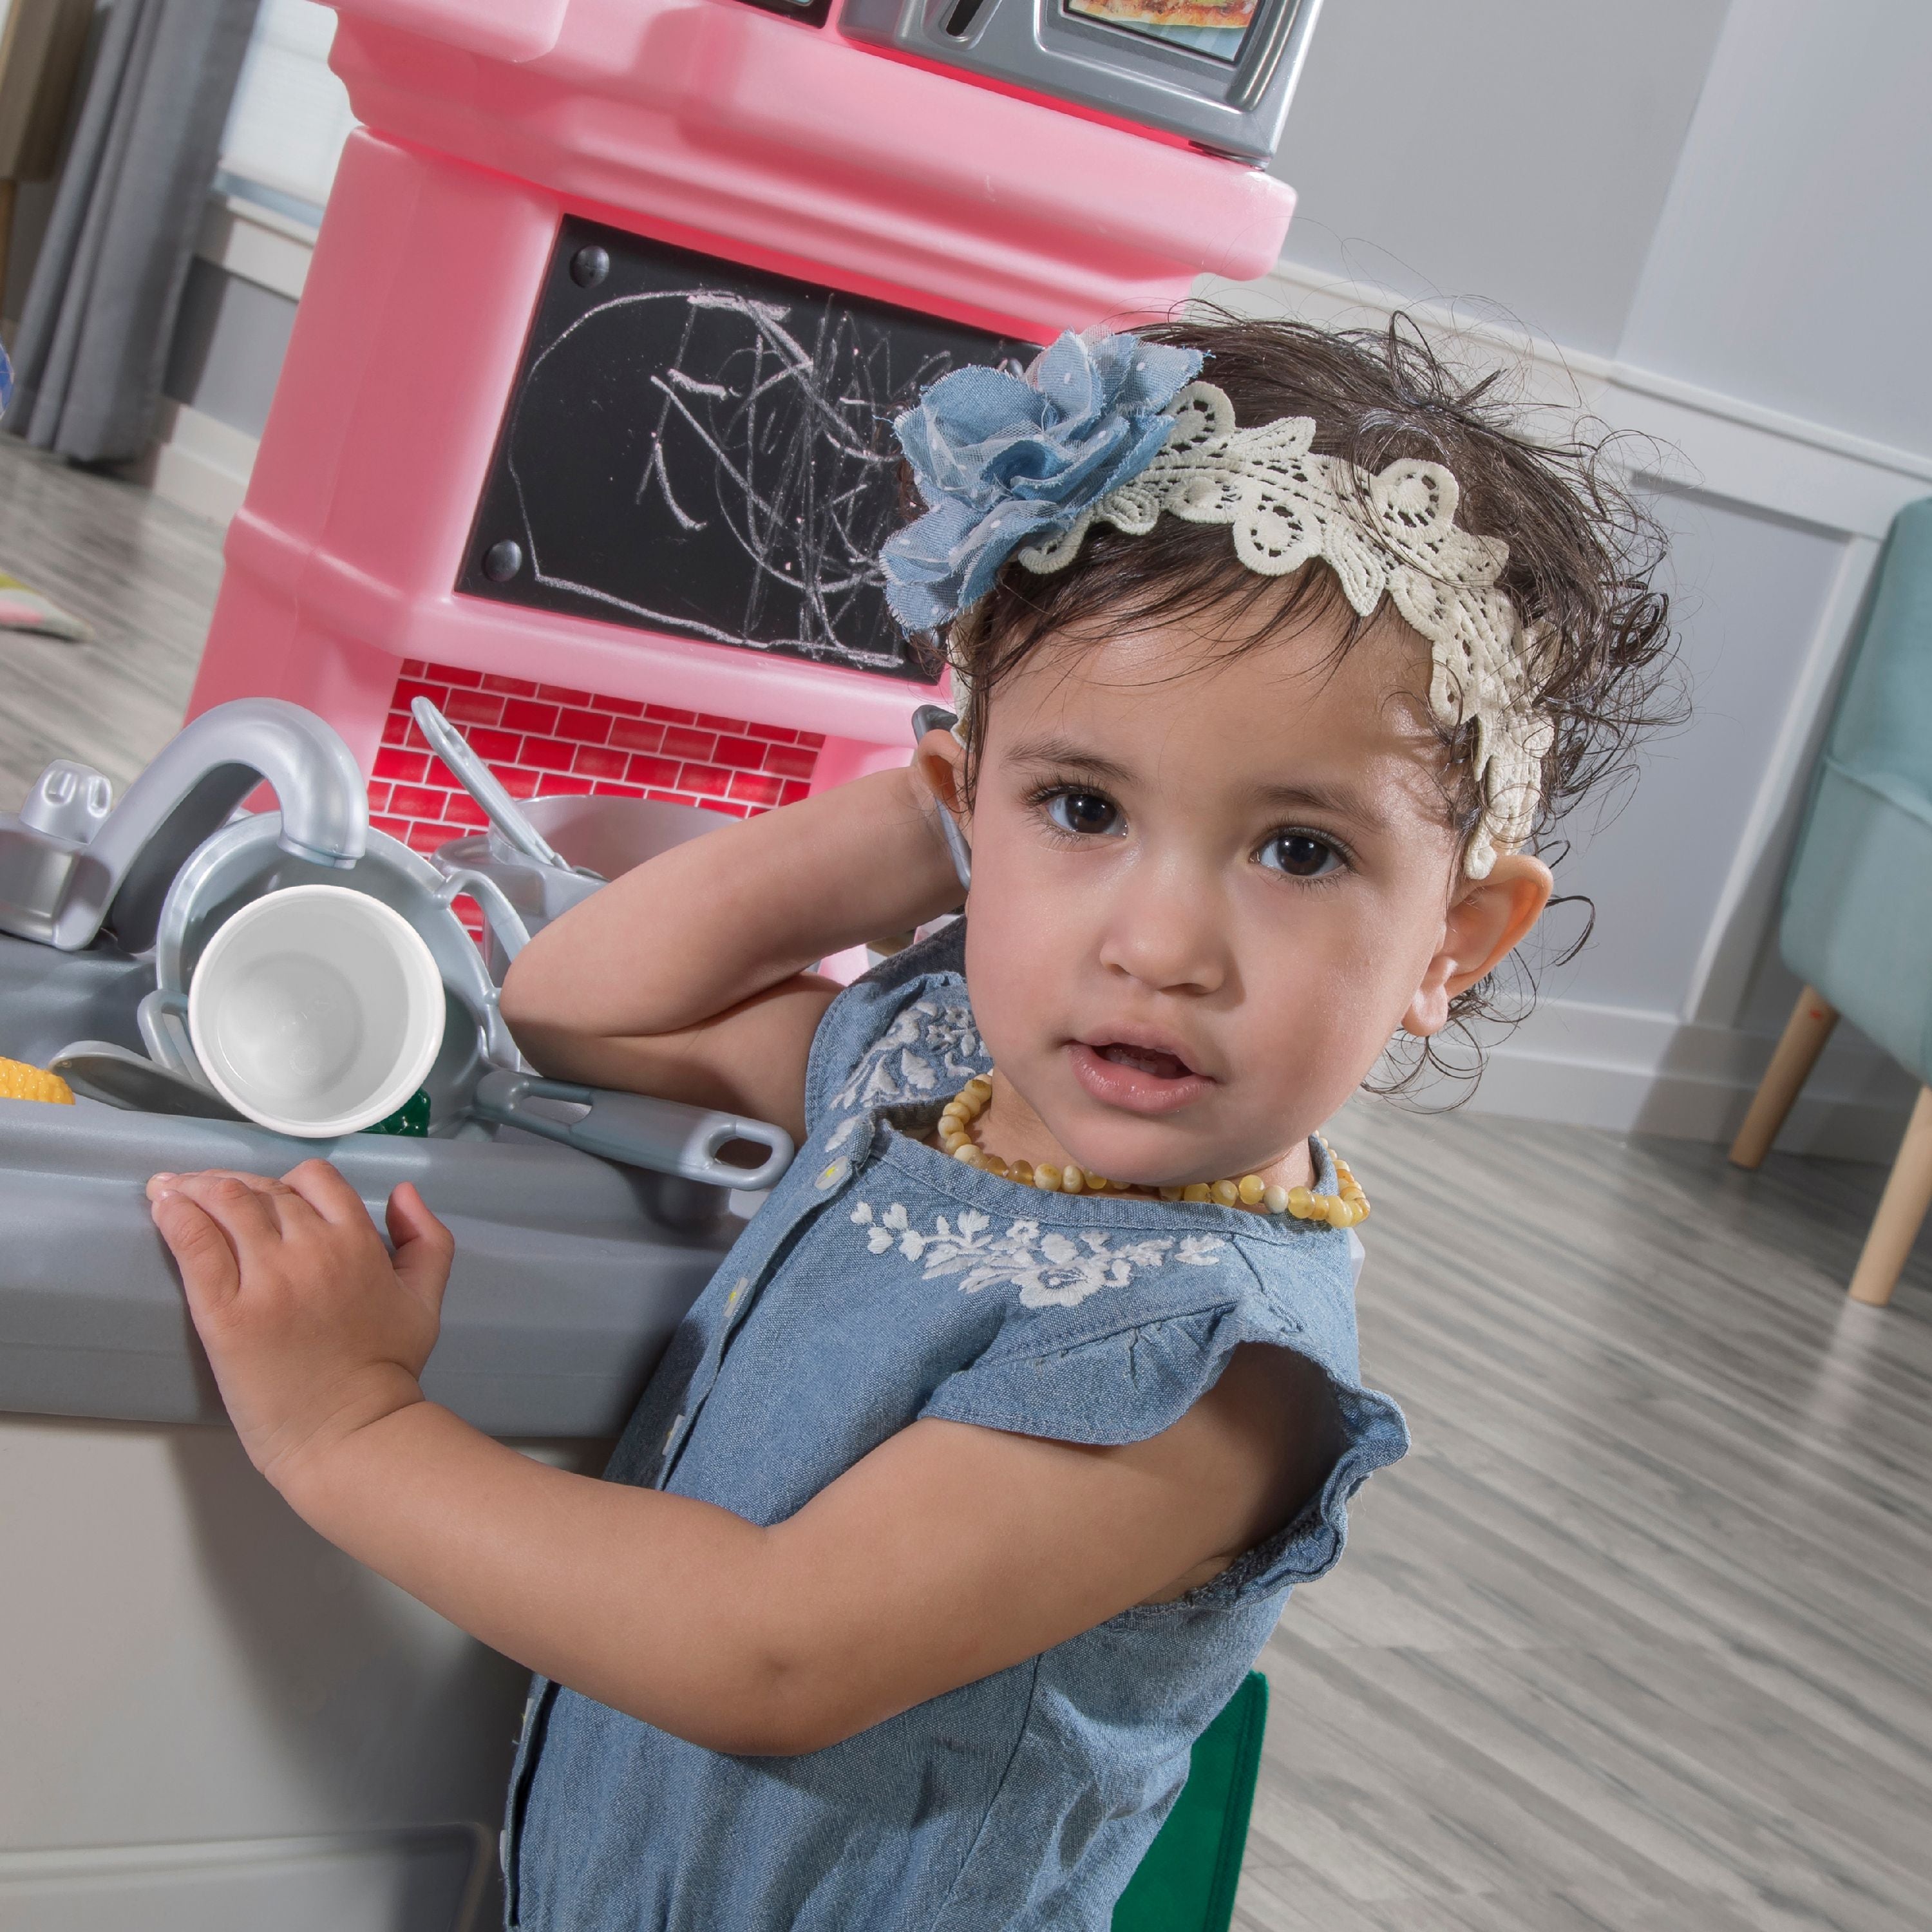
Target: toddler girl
{"type": "Point", "coordinates": [977, 1479]}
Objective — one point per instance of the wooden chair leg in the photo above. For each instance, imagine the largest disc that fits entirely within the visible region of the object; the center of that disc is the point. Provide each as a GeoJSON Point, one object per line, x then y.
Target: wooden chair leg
{"type": "Point", "coordinates": [1901, 1210]}
{"type": "Point", "coordinates": [1805, 1033]}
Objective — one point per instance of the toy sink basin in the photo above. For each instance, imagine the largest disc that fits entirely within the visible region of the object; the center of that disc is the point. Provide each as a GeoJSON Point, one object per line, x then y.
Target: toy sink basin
{"type": "Point", "coordinates": [609, 836]}
{"type": "Point", "coordinates": [612, 834]}
{"type": "Point", "coordinates": [244, 860]}
{"type": "Point", "coordinates": [570, 1273]}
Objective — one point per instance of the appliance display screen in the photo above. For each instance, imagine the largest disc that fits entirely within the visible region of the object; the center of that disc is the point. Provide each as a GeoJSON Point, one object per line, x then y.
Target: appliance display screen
{"type": "Point", "coordinates": [1216, 28]}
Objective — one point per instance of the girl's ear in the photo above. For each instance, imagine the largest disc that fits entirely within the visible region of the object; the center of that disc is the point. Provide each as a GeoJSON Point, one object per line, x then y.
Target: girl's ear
{"type": "Point", "coordinates": [941, 759]}
{"type": "Point", "coordinates": [1486, 920]}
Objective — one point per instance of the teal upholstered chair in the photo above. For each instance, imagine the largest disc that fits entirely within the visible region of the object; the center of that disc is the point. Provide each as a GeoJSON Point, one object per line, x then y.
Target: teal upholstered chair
{"type": "Point", "coordinates": [1186, 1882]}
{"type": "Point", "coordinates": [1857, 926]}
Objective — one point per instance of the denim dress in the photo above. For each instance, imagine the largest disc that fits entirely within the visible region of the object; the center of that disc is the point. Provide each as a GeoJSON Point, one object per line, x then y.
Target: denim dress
{"type": "Point", "coordinates": [883, 1281]}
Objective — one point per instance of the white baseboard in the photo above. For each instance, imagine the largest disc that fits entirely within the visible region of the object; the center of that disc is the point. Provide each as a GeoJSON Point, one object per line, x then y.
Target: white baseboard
{"type": "Point", "coordinates": [197, 462]}
{"type": "Point", "coordinates": [1635, 1071]}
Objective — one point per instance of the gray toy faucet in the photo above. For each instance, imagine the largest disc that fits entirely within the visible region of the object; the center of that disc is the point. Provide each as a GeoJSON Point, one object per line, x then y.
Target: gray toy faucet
{"type": "Point", "coordinates": [118, 877]}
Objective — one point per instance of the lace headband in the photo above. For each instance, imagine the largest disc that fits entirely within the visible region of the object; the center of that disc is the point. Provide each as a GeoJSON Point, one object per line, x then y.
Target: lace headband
{"type": "Point", "coordinates": [1107, 427]}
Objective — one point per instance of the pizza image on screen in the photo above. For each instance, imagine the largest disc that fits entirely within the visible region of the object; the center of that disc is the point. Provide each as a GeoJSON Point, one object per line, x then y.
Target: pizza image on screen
{"type": "Point", "coordinates": [1216, 27]}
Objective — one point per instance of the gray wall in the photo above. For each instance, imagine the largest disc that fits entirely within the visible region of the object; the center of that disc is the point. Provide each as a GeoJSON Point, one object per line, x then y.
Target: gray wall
{"type": "Point", "coordinates": [1749, 590]}
{"type": "Point", "coordinates": [1739, 196]}
{"type": "Point", "coordinates": [1734, 196]}
{"type": "Point", "coordinates": [1519, 151]}
{"type": "Point", "coordinates": [228, 347]}
{"type": "Point", "coordinates": [1793, 263]}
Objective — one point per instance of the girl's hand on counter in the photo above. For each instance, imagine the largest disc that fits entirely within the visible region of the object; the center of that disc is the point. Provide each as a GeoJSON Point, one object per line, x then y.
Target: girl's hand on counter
{"type": "Point", "coordinates": [312, 1330]}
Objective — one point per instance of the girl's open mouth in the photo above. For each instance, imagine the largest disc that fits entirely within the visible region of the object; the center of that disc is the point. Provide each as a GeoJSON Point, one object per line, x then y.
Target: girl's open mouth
{"type": "Point", "coordinates": [1146, 1060]}
{"type": "Point", "coordinates": [1143, 1079]}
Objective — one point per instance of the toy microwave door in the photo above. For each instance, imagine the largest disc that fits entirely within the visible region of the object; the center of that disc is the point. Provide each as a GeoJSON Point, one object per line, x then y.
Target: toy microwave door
{"type": "Point", "coordinates": [1220, 72]}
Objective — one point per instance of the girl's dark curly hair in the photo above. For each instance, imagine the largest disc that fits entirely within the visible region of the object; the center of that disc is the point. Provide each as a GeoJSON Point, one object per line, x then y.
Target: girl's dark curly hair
{"type": "Point", "coordinates": [1583, 553]}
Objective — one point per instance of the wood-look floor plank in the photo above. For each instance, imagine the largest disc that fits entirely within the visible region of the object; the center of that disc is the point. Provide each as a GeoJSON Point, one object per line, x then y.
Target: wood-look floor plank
{"type": "Point", "coordinates": [1636, 1638]}
{"type": "Point", "coordinates": [142, 573]}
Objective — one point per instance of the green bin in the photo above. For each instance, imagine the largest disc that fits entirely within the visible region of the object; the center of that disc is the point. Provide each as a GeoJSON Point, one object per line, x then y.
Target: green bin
{"type": "Point", "coordinates": [1187, 1882]}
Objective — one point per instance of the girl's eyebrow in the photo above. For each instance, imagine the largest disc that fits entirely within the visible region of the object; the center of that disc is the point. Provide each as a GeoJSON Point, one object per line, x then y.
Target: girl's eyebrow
{"type": "Point", "coordinates": [1063, 752]}
{"type": "Point", "coordinates": [1344, 800]}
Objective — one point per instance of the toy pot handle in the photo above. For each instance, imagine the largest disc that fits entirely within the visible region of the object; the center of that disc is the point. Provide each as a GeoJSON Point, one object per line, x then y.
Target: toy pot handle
{"type": "Point", "coordinates": [512, 935]}
{"type": "Point", "coordinates": [666, 1136]}
{"type": "Point", "coordinates": [162, 1019]}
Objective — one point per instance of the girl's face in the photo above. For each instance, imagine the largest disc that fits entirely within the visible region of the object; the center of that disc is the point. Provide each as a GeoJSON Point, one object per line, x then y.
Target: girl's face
{"type": "Point", "coordinates": [1202, 903]}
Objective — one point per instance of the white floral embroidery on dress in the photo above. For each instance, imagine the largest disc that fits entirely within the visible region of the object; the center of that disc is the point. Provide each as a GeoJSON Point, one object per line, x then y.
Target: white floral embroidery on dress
{"type": "Point", "coordinates": [933, 1041]}
{"type": "Point", "coordinates": [1050, 1271]}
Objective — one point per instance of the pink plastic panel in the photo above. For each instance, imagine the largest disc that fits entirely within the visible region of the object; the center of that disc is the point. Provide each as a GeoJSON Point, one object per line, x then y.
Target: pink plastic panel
{"type": "Point", "coordinates": [706, 121]}
{"type": "Point", "coordinates": [341, 561]}
{"type": "Point", "coordinates": [510, 30]}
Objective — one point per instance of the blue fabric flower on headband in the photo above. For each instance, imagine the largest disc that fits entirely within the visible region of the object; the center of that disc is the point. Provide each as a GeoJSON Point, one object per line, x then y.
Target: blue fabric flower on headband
{"type": "Point", "coordinates": [1002, 460]}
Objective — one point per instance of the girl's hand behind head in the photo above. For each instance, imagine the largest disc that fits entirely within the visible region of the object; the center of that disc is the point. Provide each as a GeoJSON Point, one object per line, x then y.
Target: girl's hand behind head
{"type": "Point", "coordinates": [1209, 885]}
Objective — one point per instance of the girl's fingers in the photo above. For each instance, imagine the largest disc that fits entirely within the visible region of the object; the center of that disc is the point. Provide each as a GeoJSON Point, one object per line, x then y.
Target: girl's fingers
{"type": "Point", "coordinates": [178, 1183]}
{"type": "Point", "coordinates": [323, 1189]}
{"type": "Point", "coordinates": [209, 1270]}
{"type": "Point", "coordinates": [289, 1208]}
{"type": "Point", "coordinates": [246, 1207]}
{"type": "Point", "coordinates": [424, 1245]}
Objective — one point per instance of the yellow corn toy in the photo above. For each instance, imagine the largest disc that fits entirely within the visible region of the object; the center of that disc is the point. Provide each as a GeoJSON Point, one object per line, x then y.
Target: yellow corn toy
{"type": "Point", "coordinates": [19, 1082]}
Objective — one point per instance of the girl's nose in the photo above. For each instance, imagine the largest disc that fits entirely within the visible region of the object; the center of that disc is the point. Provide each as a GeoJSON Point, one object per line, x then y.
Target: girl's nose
{"type": "Point", "coordinates": [1168, 929]}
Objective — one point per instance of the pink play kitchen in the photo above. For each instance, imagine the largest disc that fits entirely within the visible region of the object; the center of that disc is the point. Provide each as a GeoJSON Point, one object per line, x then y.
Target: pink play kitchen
{"type": "Point", "coordinates": [560, 545]}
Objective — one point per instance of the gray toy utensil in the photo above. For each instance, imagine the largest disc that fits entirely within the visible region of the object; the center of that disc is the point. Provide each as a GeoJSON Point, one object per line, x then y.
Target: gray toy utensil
{"type": "Point", "coordinates": [102, 1071]}
{"type": "Point", "coordinates": [483, 785]}
{"type": "Point", "coordinates": [637, 1130]}
{"type": "Point", "coordinates": [935, 717]}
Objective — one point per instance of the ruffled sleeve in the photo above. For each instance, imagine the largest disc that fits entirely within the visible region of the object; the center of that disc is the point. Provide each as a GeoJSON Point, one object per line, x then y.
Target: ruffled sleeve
{"type": "Point", "coordinates": [1128, 1379]}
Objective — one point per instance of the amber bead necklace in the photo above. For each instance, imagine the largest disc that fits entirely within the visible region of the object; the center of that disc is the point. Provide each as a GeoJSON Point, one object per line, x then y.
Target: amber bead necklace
{"type": "Point", "coordinates": [1341, 1209]}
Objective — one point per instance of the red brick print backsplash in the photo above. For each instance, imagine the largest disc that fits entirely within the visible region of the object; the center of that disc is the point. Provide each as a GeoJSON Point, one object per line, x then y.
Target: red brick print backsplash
{"type": "Point", "coordinates": [544, 741]}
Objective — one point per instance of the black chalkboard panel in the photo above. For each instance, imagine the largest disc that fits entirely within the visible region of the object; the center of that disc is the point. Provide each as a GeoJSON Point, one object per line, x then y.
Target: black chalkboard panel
{"type": "Point", "coordinates": [695, 447]}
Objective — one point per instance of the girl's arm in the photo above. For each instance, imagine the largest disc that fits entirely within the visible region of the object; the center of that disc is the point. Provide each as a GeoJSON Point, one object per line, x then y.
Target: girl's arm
{"type": "Point", "coordinates": [949, 1552]}
{"type": "Point", "coordinates": [687, 977]}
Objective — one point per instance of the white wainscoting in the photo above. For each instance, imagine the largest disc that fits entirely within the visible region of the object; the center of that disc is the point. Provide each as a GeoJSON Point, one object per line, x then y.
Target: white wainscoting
{"type": "Point", "coordinates": [198, 461]}
{"type": "Point", "coordinates": [1665, 1022]}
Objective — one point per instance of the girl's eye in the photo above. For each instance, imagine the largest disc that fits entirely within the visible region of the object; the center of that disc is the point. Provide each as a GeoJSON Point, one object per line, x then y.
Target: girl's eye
{"type": "Point", "coordinates": [1086, 813]}
{"type": "Point", "coordinates": [1300, 855]}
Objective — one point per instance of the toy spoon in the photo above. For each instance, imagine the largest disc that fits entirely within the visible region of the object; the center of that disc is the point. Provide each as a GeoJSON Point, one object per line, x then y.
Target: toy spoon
{"type": "Point", "coordinates": [483, 785]}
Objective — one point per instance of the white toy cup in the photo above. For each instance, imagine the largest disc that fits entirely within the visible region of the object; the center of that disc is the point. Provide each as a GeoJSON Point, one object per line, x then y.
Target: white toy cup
{"type": "Point", "coordinates": [315, 1010]}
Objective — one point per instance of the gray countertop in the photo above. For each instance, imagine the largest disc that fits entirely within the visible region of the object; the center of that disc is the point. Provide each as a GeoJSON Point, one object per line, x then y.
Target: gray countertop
{"type": "Point", "coordinates": [570, 1273]}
